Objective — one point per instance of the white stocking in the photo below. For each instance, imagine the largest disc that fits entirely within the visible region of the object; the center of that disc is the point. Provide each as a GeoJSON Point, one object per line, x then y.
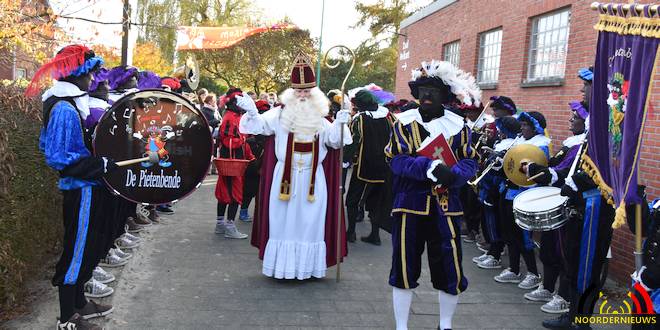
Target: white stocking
{"type": "Point", "coordinates": [447, 308]}
{"type": "Point", "coordinates": [401, 299]}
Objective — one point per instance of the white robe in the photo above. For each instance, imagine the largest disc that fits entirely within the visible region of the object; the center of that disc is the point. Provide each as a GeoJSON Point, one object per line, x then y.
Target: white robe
{"type": "Point", "coordinates": [296, 246]}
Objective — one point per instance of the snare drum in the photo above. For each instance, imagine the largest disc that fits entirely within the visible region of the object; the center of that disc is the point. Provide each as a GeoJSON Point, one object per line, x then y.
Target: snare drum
{"type": "Point", "coordinates": [540, 209]}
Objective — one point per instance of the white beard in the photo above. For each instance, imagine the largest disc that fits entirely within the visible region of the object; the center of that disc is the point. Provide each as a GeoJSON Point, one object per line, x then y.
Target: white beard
{"type": "Point", "coordinates": [304, 118]}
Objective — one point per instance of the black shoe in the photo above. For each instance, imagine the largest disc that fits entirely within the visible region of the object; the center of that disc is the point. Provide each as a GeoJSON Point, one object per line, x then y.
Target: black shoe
{"type": "Point", "coordinates": [164, 209]}
{"type": "Point", "coordinates": [371, 240]}
{"type": "Point", "coordinates": [560, 323]}
{"type": "Point", "coordinates": [350, 237]}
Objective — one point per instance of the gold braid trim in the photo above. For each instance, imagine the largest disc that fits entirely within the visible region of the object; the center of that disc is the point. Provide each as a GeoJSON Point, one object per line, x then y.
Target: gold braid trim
{"type": "Point", "coordinates": [633, 25]}
{"type": "Point", "coordinates": [590, 168]}
{"type": "Point", "coordinates": [619, 216]}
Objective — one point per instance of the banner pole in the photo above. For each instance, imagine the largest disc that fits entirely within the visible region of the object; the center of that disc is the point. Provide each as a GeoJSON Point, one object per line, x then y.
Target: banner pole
{"type": "Point", "coordinates": [318, 63]}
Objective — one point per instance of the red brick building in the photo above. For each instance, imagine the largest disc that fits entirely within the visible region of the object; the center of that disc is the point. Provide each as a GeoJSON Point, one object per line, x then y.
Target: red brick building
{"type": "Point", "coordinates": [16, 65]}
{"type": "Point", "coordinates": [531, 51]}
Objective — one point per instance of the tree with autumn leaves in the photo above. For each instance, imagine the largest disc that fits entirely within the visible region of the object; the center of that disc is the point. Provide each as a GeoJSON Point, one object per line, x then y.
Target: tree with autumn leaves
{"type": "Point", "coordinates": [26, 29]}
{"type": "Point", "coordinates": [262, 62]}
{"type": "Point", "coordinates": [146, 56]}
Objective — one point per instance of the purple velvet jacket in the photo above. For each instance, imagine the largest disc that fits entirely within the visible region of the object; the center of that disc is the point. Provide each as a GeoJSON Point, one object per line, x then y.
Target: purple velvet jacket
{"type": "Point", "coordinates": [413, 190]}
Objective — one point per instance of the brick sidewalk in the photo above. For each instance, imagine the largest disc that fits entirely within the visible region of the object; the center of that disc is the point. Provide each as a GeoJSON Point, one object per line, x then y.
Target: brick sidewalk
{"type": "Point", "coordinates": [186, 277]}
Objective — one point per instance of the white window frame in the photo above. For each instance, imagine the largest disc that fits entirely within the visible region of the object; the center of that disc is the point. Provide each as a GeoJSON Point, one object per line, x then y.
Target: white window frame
{"type": "Point", "coordinates": [451, 52]}
{"type": "Point", "coordinates": [490, 51]}
{"type": "Point", "coordinates": [548, 48]}
{"type": "Point", "coordinates": [17, 76]}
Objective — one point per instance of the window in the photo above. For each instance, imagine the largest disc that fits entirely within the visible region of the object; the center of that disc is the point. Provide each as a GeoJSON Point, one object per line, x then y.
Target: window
{"type": "Point", "coordinates": [490, 46]}
{"type": "Point", "coordinates": [20, 73]}
{"type": "Point", "coordinates": [549, 39]}
{"type": "Point", "coordinates": [452, 53]}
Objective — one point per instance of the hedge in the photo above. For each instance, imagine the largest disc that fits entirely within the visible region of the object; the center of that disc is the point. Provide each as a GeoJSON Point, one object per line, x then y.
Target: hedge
{"type": "Point", "coordinates": [30, 203]}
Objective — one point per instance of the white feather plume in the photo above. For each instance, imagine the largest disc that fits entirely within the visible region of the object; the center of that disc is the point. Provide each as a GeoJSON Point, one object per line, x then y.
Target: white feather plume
{"type": "Point", "coordinates": [471, 88]}
{"type": "Point", "coordinates": [461, 83]}
{"type": "Point", "coordinates": [416, 73]}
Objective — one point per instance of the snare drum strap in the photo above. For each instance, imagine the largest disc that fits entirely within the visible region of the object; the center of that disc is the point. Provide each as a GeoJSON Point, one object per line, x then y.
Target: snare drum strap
{"type": "Point", "coordinates": [589, 238]}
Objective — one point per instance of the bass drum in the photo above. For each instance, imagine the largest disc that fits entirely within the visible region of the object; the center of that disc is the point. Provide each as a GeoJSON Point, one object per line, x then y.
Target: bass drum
{"type": "Point", "coordinates": [159, 122]}
{"type": "Point", "coordinates": [540, 209]}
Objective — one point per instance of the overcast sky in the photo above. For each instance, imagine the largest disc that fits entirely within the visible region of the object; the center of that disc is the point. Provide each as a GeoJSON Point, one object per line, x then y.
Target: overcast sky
{"type": "Point", "coordinates": [340, 15]}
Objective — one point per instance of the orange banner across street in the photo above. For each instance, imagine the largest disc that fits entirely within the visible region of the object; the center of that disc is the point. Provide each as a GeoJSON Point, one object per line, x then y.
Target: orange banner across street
{"type": "Point", "coordinates": [206, 38]}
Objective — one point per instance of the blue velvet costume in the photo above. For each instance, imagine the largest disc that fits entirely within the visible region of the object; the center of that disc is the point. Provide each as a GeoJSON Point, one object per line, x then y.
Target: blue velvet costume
{"type": "Point", "coordinates": [422, 216]}
{"type": "Point", "coordinates": [63, 143]}
{"type": "Point", "coordinates": [66, 145]}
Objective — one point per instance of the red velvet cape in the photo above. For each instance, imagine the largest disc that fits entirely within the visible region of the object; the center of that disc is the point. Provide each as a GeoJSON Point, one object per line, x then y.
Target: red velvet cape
{"type": "Point", "coordinates": [261, 216]}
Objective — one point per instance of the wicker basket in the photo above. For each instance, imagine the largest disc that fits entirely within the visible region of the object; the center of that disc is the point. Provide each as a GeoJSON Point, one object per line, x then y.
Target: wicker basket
{"type": "Point", "coordinates": [231, 166]}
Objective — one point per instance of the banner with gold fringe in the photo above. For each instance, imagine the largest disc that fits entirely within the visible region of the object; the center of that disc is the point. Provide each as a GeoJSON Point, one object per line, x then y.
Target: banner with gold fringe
{"type": "Point", "coordinates": [628, 41]}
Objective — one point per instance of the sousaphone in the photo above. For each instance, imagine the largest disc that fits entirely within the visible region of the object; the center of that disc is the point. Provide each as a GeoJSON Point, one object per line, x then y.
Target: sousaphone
{"type": "Point", "coordinates": [189, 71]}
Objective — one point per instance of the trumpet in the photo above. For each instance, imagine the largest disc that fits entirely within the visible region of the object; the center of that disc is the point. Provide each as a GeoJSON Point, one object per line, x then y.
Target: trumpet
{"type": "Point", "coordinates": [490, 166]}
{"type": "Point", "coordinates": [475, 182]}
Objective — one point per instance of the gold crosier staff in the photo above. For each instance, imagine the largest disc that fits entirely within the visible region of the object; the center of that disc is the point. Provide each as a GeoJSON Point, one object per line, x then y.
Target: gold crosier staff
{"type": "Point", "coordinates": [340, 197]}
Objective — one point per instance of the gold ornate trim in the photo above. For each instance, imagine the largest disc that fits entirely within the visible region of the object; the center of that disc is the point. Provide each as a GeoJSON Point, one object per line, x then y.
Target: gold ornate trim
{"type": "Point", "coordinates": [590, 168]}
{"type": "Point", "coordinates": [405, 210]}
{"type": "Point", "coordinates": [633, 25]}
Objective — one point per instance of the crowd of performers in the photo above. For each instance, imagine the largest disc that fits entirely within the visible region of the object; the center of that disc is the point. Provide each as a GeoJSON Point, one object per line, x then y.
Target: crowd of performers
{"type": "Point", "coordinates": [398, 190]}
{"type": "Point", "coordinates": [293, 143]}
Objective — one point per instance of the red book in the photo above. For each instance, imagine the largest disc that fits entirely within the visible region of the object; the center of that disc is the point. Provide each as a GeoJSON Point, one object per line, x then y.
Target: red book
{"type": "Point", "coordinates": [437, 148]}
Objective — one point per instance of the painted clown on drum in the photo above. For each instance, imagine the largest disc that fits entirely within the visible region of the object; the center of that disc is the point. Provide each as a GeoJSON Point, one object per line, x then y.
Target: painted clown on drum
{"type": "Point", "coordinates": [423, 217]}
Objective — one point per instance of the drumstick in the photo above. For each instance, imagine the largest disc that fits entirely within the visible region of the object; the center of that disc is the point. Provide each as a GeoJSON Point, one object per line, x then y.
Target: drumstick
{"type": "Point", "coordinates": [152, 158]}
{"type": "Point", "coordinates": [542, 197]}
{"type": "Point", "coordinates": [538, 175]}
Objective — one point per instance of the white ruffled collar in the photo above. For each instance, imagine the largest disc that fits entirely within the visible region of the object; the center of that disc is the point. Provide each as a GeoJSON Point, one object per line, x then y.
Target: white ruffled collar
{"type": "Point", "coordinates": [98, 103]}
{"type": "Point", "coordinates": [116, 95]}
{"type": "Point", "coordinates": [448, 125]}
{"type": "Point", "coordinates": [503, 144]}
{"type": "Point", "coordinates": [381, 112]}
{"type": "Point", "coordinates": [67, 89]}
{"type": "Point", "coordinates": [574, 140]}
{"type": "Point", "coordinates": [538, 140]}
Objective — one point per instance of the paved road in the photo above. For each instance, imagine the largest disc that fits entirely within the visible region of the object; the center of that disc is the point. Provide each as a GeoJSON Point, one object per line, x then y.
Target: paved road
{"type": "Point", "coordinates": [186, 277]}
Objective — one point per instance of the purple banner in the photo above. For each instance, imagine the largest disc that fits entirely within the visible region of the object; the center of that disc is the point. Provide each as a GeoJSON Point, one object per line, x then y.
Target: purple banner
{"type": "Point", "coordinates": [623, 72]}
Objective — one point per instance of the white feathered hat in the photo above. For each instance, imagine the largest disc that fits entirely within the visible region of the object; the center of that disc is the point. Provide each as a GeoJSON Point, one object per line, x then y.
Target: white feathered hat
{"type": "Point", "coordinates": [461, 83]}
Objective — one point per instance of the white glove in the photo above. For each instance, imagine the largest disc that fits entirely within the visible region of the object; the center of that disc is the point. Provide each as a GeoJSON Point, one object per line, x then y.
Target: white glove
{"type": "Point", "coordinates": [637, 277]}
{"type": "Point", "coordinates": [170, 135]}
{"type": "Point", "coordinates": [569, 182]}
{"type": "Point", "coordinates": [498, 164]}
{"type": "Point", "coordinates": [246, 103]}
{"type": "Point", "coordinates": [137, 135]}
{"type": "Point", "coordinates": [344, 116]}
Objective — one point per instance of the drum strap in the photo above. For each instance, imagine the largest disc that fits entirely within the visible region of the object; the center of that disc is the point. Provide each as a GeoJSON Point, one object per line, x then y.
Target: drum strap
{"type": "Point", "coordinates": [589, 238]}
